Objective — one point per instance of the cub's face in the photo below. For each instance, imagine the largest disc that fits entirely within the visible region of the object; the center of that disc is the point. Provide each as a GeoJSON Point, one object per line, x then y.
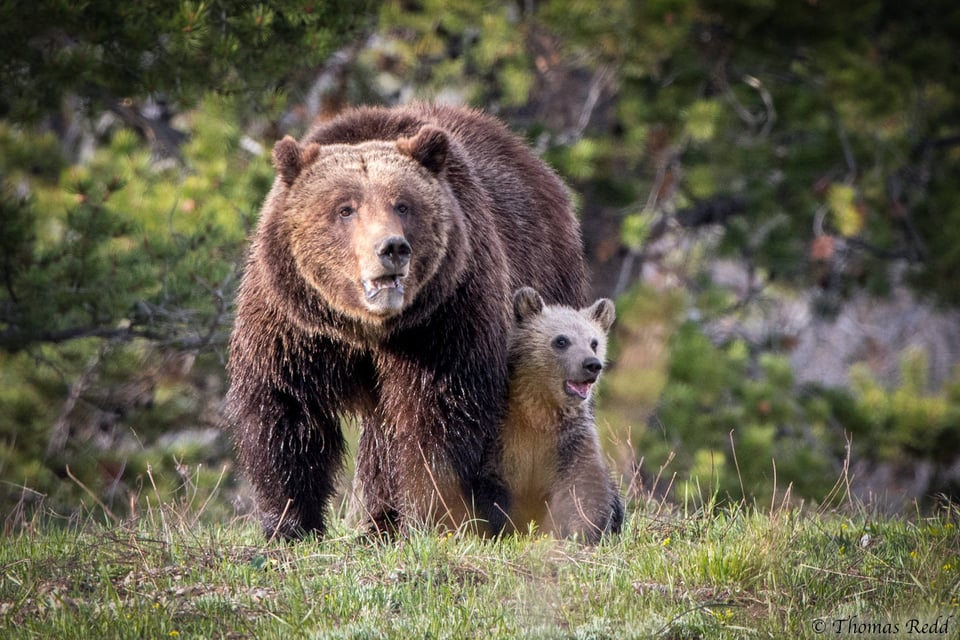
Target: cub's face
{"type": "Point", "coordinates": [559, 351]}
{"type": "Point", "coordinates": [368, 224]}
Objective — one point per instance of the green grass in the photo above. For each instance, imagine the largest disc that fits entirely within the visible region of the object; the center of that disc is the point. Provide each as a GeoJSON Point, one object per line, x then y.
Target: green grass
{"type": "Point", "coordinates": [715, 573]}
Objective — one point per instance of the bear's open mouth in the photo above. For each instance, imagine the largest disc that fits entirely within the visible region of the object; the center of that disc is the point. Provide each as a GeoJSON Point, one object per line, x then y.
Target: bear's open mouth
{"type": "Point", "coordinates": [373, 288]}
{"type": "Point", "coordinates": [578, 389]}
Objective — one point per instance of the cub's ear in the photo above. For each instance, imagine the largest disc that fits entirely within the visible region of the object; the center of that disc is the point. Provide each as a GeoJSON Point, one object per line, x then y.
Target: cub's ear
{"type": "Point", "coordinates": [429, 147]}
{"type": "Point", "coordinates": [527, 304]}
{"type": "Point", "coordinates": [602, 312]}
{"type": "Point", "coordinates": [289, 158]}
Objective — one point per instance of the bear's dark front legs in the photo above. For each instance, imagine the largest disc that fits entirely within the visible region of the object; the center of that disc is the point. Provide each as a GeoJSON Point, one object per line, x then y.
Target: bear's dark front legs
{"type": "Point", "coordinates": [428, 454]}
{"type": "Point", "coordinates": [286, 425]}
{"type": "Point", "coordinates": [417, 473]}
{"type": "Point", "coordinates": [293, 462]}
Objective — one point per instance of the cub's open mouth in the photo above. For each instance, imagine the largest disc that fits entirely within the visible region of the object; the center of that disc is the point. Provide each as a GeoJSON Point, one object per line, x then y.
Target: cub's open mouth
{"type": "Point", "coordinates": [578, 389]}
{"type": "Point", "coordinates": [376, 286]}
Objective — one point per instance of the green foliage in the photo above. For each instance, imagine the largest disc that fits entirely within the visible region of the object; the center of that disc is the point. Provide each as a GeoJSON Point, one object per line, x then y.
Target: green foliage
{"type": "Point", "coordinates": [103, 52]}
{"type": "Point", "coordinates": [798, 112]}
{"type": "Point", "coordinates": [113, 264]}
{"type": "Point", "coordinates": [732, 424]}
{"type": "Point", "coordinates": [119, 247]}
{"type": "Point", "coordinates": [475, 50]}
{"type": "Point", "coordinates": [771, 102]}
{"type": "Point", "coordinates": [909, 418]}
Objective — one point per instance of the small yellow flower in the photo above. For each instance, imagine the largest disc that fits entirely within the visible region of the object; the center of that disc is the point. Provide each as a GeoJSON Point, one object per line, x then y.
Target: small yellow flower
{"type": "Point", "coordinates": [843, 549]}
{"type": "Point", "coordinates": [948, 567]}
{"type": "Point", "coordinates": [174, 634]}
{"type": "Point", "coordinates": [913, 554]}
{"type": "Point", "coordinates": [723, 615]}
{"type": "Point", "coordinates": [666, 542]}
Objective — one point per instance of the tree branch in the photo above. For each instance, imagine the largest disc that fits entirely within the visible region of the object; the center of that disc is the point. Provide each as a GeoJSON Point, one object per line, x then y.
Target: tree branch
{"type": "Point", "coordinates": [713, 211]}
{"type": "Point", "coordinates": [164, 138]}
{"type": "Point", "coordinates": [13, 339]}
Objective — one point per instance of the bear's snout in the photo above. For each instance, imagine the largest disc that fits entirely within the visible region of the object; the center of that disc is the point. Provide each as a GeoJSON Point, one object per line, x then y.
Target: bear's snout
{"type": "Point", "coordinates": [394, 252]}
{"type": "Point", "coordinates": [592, 365]}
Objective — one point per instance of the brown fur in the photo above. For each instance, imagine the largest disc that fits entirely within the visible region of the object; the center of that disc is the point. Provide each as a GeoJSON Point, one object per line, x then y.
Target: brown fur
{"type": "Point", "coordinates": [323, 330]}
{"type": "Point", "coordinates": [552, 462]}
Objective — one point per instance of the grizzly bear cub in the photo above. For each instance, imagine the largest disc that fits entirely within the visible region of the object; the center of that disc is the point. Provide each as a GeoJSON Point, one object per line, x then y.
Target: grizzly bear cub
{"type": "Point", "coordinates": [552, 463]}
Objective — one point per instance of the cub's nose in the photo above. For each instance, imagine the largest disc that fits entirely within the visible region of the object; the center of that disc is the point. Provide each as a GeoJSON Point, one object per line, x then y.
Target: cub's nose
{"type": "Point", "coordinates": [394, 252]}
{"type": "Point", "coordinates": [593, 365]}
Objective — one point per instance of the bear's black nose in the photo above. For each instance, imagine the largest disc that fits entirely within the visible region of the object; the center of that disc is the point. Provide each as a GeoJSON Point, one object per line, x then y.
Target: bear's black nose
{"type": "Point", "coordinates": [394, 252]}
{"type": "Point", "coordinates": [593, 365]}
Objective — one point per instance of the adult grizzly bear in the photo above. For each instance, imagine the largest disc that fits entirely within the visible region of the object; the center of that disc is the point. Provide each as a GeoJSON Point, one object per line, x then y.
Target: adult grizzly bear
{"type": "Point", "coordinates": [378, 285]}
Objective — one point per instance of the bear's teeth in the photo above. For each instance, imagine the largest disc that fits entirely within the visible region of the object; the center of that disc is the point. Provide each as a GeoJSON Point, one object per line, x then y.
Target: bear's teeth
{"type": "Point", "coordinates": [373, 287]}
{"type": "Point", "coordinates": [581, 389]}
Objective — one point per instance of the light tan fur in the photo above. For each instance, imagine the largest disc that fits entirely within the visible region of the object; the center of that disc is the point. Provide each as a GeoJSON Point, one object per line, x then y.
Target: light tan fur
{"type": "Point", "coordinates": [530, 463]}
{"type": "Point", "coordinates": [552, 463]}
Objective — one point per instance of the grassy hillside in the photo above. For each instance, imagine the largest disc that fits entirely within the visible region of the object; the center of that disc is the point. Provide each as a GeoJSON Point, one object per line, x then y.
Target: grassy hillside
{"type": "Point", "coordinates": [729, 573]}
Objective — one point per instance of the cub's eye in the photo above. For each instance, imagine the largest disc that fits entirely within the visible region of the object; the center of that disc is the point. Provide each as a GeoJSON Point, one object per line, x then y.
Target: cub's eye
{"type": "Point", "coordinates": [594, 344]}
{"type": "Point", "coordinates": [402, 208]}
{"type": "Point", "coordinates": [561, 342]}
{"type": "Point", "coordinates": [345, 211]}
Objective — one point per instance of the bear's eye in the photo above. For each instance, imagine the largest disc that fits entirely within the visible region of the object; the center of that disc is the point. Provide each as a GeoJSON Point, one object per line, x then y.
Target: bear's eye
{"type": "Point", "coordinates": [345, 211]}
{"type": "Point", "coordinates": [561, 342]}
{"type": "Point", "coordinates": [402, 208]}
{"type": "Point", "coordinates": [594, 344]}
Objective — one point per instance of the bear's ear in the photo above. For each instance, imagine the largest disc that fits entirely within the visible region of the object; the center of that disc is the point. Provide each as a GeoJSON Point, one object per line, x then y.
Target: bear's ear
{"type": "Point", "coordinates": [429, 147]}
{"type": "Point", "coordinates": [289, 158]}
{"type": "Point", "coordinates": [527, 304]}
{"type": "Point", "coordinates": [602, 312]}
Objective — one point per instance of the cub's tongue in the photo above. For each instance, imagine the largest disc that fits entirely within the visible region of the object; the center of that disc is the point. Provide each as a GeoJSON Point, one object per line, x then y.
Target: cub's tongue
{"type": "Point", "coordinates": [581, 389]}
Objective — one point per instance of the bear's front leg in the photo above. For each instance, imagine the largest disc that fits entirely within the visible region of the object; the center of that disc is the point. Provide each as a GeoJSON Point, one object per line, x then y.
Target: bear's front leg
{"type": "Point", "coordinates": [405, 479]}
{"type": "Point", "coordinates": [292, 459]}
{"type": "Point", "coordinates": [585, 503]}
{"type": "Point", "coordinates": [439, 451]}
{"type": "Point", "coordinates": [285, 423]}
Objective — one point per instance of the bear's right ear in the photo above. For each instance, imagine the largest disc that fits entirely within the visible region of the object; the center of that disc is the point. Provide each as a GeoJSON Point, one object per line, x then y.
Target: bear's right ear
{"type": "Point", "coordinates": [527, 304]}
{"type": "Point", "coordinates": [429, 147]}
{"type": "Point", "coordinates": [289, 158]}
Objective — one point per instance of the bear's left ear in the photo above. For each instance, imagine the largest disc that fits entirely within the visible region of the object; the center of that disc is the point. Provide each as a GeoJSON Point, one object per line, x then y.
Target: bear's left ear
{"type": "Point", "coordinates": [429, 147]}
{"type": "Point", "coordinates": [527, 304]}
{"type": "Point", "coordinates": [602, 312]}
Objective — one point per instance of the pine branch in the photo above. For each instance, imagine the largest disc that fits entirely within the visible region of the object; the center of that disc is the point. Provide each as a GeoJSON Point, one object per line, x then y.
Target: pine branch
{"type": "Point", "coordinates": [13, 339]}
